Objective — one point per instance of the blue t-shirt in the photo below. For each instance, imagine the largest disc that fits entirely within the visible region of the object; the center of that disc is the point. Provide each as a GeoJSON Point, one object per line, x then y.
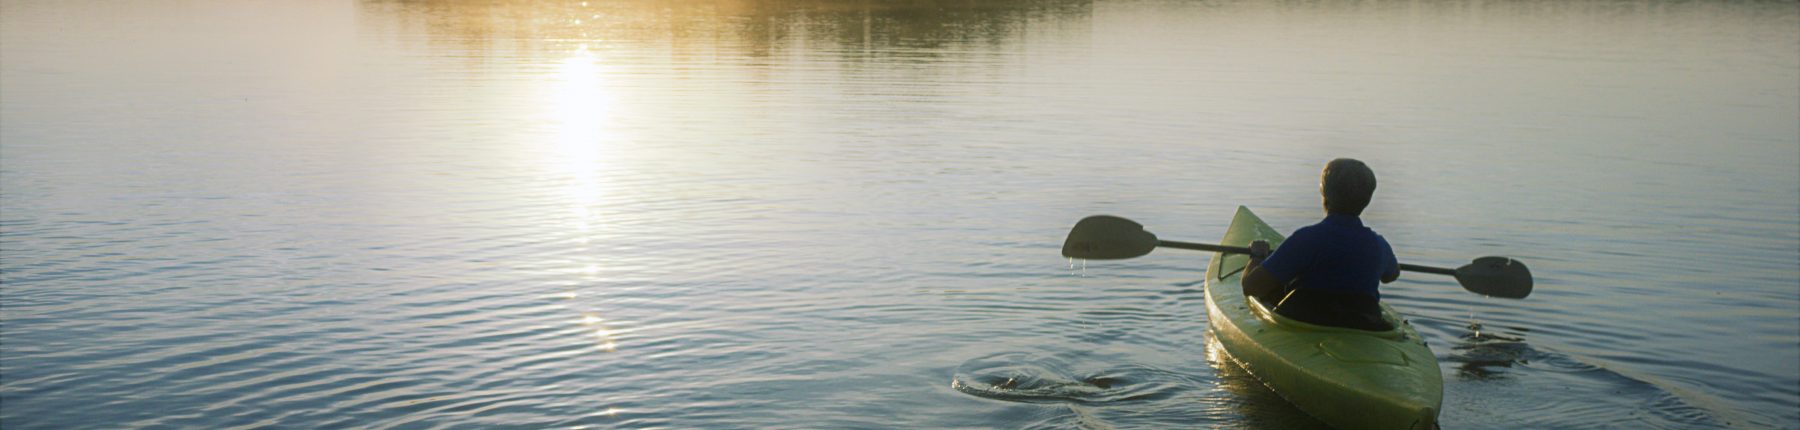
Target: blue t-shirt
{"type": "Point", "coordinates": [1338, 254]}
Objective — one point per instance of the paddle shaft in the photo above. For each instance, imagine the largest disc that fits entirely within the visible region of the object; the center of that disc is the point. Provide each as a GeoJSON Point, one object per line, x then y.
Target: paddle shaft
{"type": "Point", "coordinates": [1244, 250]}
{"type": "Point", "coordinates": [1203, 247]}
{"type": "Point", "coordinates": [1427, 269]}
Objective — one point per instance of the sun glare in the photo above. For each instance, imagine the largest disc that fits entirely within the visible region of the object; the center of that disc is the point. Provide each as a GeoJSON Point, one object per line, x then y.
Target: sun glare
{"type": "Point", "coordinates": [584, 107]}
{"type": "Point", "coordinates": [582, 104]}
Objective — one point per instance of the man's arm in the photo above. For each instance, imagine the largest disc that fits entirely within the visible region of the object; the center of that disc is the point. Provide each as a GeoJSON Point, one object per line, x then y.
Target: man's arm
{"type": "Point", "coordinates": [1258, 282]}
{"type": "Point", "coordinates": [1393, 264]}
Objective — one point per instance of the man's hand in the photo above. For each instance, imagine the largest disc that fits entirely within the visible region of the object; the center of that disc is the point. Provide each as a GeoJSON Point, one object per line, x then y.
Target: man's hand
{"type": "Point", "coordinates": [1259, 250]}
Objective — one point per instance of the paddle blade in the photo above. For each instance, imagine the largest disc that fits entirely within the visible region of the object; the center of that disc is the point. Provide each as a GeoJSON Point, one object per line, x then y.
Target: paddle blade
{"type": "Point", "coordinates": [1107, 237]}
{"type": "Point", "coordinates": [1496, 276]}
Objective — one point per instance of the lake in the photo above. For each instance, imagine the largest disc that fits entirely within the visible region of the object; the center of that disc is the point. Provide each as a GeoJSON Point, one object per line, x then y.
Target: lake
{"type": "Point", "coordinates": [847, 213]}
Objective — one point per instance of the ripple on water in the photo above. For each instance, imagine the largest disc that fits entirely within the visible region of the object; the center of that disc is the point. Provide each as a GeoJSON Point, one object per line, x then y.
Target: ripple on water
{"type": "Point", "coordinates": [1100, 390]}
{"type": "Point", "coordinates": [1024, 377]}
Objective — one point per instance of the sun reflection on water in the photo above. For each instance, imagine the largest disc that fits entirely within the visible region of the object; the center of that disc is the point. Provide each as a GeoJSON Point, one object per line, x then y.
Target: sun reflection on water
{"type": "Point", "coordinates": [603, 335]}
{"type": "Point", "coordinates": [582, 106]}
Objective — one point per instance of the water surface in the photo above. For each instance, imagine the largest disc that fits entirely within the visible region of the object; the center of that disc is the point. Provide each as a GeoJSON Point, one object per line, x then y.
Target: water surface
{"type": "Point", "coordinates": [823, 213]}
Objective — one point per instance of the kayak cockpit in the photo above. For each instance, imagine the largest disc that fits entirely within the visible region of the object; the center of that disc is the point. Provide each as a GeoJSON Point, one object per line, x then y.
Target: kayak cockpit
{"type": "Point", "coordinates": [1269, 316]}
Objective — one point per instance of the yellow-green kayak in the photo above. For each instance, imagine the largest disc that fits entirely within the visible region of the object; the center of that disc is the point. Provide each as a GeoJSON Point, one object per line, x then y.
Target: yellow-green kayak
{"type": "Point", "coordinates": [1350, 379]}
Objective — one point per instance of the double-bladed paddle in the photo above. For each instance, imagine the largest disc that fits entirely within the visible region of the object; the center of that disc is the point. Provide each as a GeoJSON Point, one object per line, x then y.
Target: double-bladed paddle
{"type": "Point", "coordinates": [1107, 237]}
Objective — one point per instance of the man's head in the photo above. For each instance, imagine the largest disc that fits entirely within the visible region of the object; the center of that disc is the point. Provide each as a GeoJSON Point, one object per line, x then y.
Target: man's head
{"type": "Point", "coordinates": [1346, 185]}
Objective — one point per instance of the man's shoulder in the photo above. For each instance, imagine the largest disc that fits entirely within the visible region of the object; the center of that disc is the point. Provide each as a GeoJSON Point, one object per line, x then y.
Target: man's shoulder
{"type": "Point", "coordinates": [1318, 228]}
{"type": "Point", "coordinates": [1336, 232]}
{"type": "Point", "coordinates": [1322, 225]}
{"type": "Point", "coordinates": [1308, 231]}
{"type": "Point", "coordinates": [1377, 238]}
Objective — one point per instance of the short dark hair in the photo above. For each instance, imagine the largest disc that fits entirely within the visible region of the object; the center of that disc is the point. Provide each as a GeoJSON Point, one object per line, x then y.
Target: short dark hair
{"type": "Point", "coordinates": [1347, 185]}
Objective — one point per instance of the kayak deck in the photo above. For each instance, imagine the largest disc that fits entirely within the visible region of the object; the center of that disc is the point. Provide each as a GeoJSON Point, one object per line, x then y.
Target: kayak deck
{"type": "Point", "coordinates": [1348, 378]}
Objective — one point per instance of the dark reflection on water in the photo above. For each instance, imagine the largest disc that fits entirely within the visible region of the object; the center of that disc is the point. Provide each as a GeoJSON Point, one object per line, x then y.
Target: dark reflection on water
{"type": "Point", "coordinates": [1488, 355]}
{"type": "Point", "coordinates": [754, 28]}
{"type": "Point", "coordinates": [844, 214]}
{"type": "Point", "coordinates": [1254, 402]}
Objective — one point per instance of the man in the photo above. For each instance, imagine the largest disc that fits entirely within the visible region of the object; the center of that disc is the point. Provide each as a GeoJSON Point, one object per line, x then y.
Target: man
{"type": "Point", "coordinates": [1329, 273]}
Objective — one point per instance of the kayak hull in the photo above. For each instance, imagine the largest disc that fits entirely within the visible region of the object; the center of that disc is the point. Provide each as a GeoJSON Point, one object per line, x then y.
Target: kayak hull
{"type": "Point", "coordinates": [1347, 378]}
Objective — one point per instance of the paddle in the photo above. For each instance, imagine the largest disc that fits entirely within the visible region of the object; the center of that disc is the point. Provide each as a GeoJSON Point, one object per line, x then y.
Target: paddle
{"type": "Point", "coordinates": [1107, 237]}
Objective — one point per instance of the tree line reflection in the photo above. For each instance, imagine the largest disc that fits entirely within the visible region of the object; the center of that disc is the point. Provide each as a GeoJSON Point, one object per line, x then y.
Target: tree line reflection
{"type": "Point", "coordinates": [753, 28]}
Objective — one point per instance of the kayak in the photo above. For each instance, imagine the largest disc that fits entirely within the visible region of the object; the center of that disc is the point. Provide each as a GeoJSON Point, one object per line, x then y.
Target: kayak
{"type": "Point", "coordinates": [1347, 378]}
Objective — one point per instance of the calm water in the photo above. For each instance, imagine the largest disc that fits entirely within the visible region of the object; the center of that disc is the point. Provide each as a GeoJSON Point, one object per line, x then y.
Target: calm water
{"type": "Point", "coordinates": [840, 213]}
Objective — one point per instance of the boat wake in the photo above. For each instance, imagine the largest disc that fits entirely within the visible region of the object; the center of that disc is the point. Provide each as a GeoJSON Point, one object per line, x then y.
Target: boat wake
{"type": "Point", "coordinates": [1490, 365]}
